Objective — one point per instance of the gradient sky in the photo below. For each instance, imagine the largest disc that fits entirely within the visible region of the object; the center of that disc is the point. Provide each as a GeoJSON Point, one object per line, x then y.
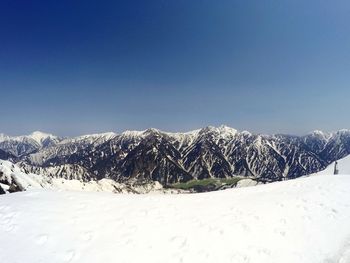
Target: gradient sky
{"type": "Point", "coordinates": [75, 67]}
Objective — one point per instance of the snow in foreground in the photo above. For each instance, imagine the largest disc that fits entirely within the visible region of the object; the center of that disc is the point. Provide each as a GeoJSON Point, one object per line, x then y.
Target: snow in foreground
{"type": "Point", "coordinates": [303, 220]}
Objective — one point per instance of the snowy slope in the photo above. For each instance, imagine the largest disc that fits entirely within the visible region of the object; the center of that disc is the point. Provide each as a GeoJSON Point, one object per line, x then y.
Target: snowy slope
{"type": "Point", "coordinates": [12, 175]}
{"type": "Point", "coordinates": [306, 220]}
{"type": "Point", "coordinates": [343, 167]}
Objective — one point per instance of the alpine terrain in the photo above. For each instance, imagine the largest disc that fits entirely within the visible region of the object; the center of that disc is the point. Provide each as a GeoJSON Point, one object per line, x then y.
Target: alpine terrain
{"type": "Point", "coordinates": [168, 158]}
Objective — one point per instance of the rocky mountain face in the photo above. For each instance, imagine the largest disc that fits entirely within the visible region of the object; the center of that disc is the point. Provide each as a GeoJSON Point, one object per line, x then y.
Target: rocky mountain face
{"type": "Point", "coordinates": [153, 155]}
{"type": "Point", "coordinates": [6, 155]}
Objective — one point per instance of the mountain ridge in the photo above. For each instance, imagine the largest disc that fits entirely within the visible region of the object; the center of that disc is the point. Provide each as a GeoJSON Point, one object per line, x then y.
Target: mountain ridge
{"type": "Point", "coordinates": [155, 155]}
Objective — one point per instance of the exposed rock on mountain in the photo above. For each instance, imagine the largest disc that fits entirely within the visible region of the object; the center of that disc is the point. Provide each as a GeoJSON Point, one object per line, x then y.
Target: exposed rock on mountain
{"type": "Point", "coordinates": [153, 155]}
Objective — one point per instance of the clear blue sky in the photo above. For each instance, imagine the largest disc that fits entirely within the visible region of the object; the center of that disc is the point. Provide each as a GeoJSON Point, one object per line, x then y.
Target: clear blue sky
{"type": "Point", "coordinates": [74, 67]}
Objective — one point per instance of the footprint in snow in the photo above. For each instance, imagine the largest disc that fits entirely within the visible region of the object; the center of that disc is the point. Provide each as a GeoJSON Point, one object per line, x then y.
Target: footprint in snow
{"type": "Point", "coordinates": [74, 220]}
{"type": "Point", "coordinates": [82, 206]}
{"type": "Point", "coordinates": [333, 213]}
{"type": "Point", "coordinates": [87, 236]}
{"type": "Point", "coordinates": [42, 239]}
{"type": "Point", "coordinates": [127, 232]}
{"type": "Point", "coordinates": [118, 221]}
{"type": "Point", "coordinates": [4, 207]}
{"type": "Point", "coordinates": [11, 215]}
{"type": "Point", "coordinates": [307, 218]}
{"type": "Point", "coordinates": [216, 230]}
{"type": "Point", "coordinates": [132, 229]}
{"type": "Point", "coordinates": [179, 241]}
{"type": "Point", "coordinates": [143, 212]}
{"type": "Point", "coordinates": [69, 255]}
{"type": "Point", "coordinates": [11, 228]}
{"type": "Point", "coordinates": [240, 258]}
{"type": "Point", "coordinates": [203, 253]}
{"type": "Point", "coordinates": [280, 232]}
{"type": "Point", "coordinates": [213, 229]}
{"type": "Point", "coordinates": [264, 251]}
{"type": "Point", "coordinates": [283, 221]}
{"type": "Point", "coordinates": [5, 221]}
{"type": "Point", "coordinates": [245, 227]}
{"type": "Point", "coordinates": [302, 207]}
{"type": "Point", "coordinates": [198, 223]}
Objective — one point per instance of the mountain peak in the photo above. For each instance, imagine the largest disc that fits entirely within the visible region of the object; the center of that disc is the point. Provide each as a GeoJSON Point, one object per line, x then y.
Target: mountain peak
{"type": "Point", "coordinates": [3, 137]}
{"type": "Point", "coordinates": [320, 134]}
{"type": "Point", "coordinates": [246, 133]}
{"type": "Point", "coordinates": [106, 135]}
{"type": "Point", "coordinates": [39, 136]}
{"type": "Point", "coordinates": [223, 131]}
{"type": "Point", "coordinates": [129, 133]}
{"type": "Point", "coordinates": [343, 131]}
{"type": "Point", "coordinates": [152, 131]}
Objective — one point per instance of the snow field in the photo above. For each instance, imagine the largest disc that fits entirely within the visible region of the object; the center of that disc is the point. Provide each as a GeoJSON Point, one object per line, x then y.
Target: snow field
{"type": "Point", "coordinates": [302, 220]}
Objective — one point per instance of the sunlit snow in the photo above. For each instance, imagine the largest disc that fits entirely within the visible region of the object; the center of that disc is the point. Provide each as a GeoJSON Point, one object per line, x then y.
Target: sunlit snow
{"type": "Point", "coordinates": [302, 220]}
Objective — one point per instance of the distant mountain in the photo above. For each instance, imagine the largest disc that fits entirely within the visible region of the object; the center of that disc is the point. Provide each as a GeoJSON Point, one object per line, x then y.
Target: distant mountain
{"type": "Point", "coordinates": [21, 146]}
{"type": "Point", "coordinates": [154, 155]}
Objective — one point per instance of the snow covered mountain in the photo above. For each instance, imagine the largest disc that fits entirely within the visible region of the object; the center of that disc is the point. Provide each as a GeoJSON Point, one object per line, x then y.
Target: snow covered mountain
{"type": "Point", "coordinates": [21, 146]}
{"type": "Point", "coordinates": [15, 179]}
{"type": "Point", "coordinates": [304, 220]}
{"type": "Point", "coordinates": [154, 155]}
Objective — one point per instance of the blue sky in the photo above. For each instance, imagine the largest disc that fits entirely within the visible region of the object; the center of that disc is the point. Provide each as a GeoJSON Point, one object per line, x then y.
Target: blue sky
{"type": "Point", "coordinates": [74, 67]}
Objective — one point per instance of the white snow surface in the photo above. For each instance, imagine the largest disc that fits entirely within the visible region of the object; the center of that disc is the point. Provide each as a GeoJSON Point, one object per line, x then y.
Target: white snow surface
{"type": "Point", "coordinates": [304, 220]}
{"type": "Point", "coordinates": [343, 167]}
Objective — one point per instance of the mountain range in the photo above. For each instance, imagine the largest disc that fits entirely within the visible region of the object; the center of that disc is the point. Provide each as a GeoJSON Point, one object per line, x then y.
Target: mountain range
{"type": "Point", "coordinates": [154, 155]}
